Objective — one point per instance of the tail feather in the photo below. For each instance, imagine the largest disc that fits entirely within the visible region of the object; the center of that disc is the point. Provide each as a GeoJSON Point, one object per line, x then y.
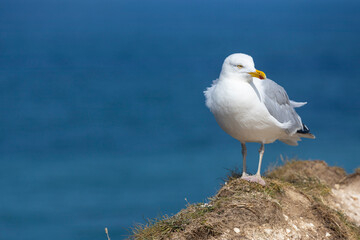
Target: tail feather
{"type": "Point", "coordinates": [289, 141]}
{"type": "Point", "coordinates": [307, 135]}
{"type": "Point", "coordinates": [302, 133]}
{"type": "Point", "coordinates": [305, 132]}
{"type": "Point", "coordinates": [297, 104]}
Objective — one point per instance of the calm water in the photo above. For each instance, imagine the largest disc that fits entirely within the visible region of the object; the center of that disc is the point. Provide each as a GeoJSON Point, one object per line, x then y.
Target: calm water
{"type": "Point", "coordinates": [103, 122]}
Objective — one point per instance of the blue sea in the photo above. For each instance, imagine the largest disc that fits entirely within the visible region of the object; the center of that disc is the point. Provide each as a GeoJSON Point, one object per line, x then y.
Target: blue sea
{"type": "Point", "coordinates": [103, 121]}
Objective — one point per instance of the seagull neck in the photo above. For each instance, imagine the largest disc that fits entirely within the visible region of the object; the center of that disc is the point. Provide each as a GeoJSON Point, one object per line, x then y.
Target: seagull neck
{"type": "Point", "coordinates": [235, 76]}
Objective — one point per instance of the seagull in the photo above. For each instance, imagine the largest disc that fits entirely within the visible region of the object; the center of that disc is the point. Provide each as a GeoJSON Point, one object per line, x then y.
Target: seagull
{"type": "Point", "coordinates": [252, 108]}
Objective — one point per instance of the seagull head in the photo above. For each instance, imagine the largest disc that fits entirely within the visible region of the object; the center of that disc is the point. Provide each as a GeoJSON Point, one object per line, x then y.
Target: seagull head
{"type": "Point", "coordinates": [242, 66]}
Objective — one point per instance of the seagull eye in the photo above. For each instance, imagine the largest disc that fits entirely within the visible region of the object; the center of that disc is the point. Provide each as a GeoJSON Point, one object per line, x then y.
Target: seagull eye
{"type": "Point", "coordinates": [240, 66]}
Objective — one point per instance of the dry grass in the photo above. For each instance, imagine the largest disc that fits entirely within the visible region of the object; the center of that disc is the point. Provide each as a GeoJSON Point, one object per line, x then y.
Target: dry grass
{"type": "Point", "coordinates": [294, 171]}
{"type": "Point", "coordinates": [163, 227]}
{"type": "Point", "coordinates": [314, 183]}
{"type": "Point", "coordinates": [247, 205]}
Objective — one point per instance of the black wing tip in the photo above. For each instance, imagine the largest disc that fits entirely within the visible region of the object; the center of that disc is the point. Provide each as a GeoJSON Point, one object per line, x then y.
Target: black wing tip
{"type": "Point", "coordinates": [304, 130]}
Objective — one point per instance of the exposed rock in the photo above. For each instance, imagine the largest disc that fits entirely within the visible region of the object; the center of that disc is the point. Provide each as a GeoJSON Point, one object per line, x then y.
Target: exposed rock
{"type": "Point", "coordinates": [302, 200]}
{"type": "Point", "coordinates": [347, 197]}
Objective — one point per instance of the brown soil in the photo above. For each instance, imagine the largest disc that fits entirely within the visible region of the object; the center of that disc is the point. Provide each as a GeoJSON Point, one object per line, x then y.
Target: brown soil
{"type": "Point", "coordinates": [298, 202]}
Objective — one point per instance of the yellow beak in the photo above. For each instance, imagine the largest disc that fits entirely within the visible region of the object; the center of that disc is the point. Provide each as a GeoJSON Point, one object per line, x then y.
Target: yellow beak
{"type": "Point", "coordinates": [258, 74]}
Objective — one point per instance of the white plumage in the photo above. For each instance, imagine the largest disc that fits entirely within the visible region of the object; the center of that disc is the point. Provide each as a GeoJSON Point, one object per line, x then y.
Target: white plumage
{"type": "Point", "coordinates": [251, 108]}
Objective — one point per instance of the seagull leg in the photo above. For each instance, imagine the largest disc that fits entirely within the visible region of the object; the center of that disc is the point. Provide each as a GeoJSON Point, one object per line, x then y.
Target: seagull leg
{"type": "Point", "coordinates": [243, 151]}
{"type": "Point", "coordinates": [261, 154]}
{"type": "Point", "coordinates": [257, 177]}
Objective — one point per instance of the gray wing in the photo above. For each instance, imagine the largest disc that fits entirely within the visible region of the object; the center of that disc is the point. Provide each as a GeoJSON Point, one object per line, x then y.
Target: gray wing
{"type": "Point", "coordinates": [278, 104]}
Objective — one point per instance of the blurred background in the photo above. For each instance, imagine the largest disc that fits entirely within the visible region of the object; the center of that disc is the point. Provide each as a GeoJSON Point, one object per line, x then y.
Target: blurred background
{"type": "Point", "coordinates": [103, 121]}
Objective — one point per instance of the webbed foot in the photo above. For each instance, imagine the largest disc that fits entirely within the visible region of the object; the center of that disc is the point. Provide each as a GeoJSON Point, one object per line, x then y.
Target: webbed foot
{"type": "Point", "coordinates": [254, 178]}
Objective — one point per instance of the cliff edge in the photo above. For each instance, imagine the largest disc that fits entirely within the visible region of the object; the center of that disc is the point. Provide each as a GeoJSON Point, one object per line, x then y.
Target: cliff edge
{"type": "Point", "coordinates": [301, 200]}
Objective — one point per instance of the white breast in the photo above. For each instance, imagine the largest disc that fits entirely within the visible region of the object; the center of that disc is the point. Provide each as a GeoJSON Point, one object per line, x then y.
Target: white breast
{"type": "Point", "coordinates": [240, 113]}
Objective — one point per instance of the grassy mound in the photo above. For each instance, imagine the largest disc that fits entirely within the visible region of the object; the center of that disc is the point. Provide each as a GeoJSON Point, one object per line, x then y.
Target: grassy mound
{"type": "Point", "coordinates": [295, 203]}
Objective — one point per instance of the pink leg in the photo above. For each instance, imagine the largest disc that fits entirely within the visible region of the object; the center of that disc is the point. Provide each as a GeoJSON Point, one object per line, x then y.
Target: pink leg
{"type": "Point", "coordinates": [257, 177]}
